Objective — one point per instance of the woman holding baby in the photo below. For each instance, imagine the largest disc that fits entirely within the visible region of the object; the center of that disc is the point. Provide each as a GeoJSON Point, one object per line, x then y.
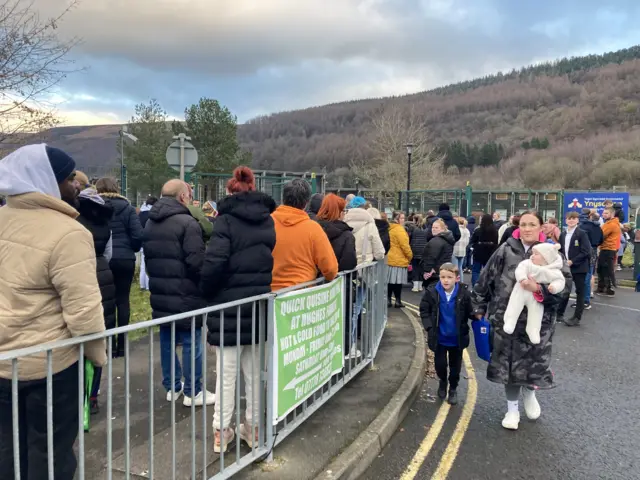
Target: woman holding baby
{"type": "Point", "coordinates": [516, 362]}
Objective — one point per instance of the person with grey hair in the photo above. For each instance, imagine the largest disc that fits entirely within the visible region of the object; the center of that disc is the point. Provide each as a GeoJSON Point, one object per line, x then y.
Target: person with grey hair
{"type": "Point", "coordinates": [302, 248]}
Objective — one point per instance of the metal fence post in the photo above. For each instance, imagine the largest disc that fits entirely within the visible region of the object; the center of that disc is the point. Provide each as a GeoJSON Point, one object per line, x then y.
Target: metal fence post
{"type": "Point", "coordinates": [270, 368]}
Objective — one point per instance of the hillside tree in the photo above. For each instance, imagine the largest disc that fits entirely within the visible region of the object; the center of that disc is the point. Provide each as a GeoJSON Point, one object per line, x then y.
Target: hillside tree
{"type": "Point", "coordinates": [147, 167]}
{"type": "Point", "coordinates": [213, 131]}
{"type": "Point", "coordinates": [383, 163]}
{"type": "Point", "coordinates": [33, 61]}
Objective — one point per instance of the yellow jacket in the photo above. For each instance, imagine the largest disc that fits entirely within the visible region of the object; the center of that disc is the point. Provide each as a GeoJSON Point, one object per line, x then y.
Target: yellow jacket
{"type": "Point", "coordinates": [49, 289]}
{"type": "Point", "coordinates": [400, 254]}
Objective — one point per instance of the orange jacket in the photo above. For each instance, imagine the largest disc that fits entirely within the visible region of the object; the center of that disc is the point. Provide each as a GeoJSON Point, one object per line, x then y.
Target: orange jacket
{"type": "Point", "coordinates": [612, 234]}
{"type": "Point", "coordinates": [302, 248]}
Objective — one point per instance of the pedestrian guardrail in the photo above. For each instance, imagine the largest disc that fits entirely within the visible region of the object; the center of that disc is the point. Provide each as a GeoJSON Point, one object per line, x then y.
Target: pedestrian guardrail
{"type": "Point", "coordinates": [306, 343]}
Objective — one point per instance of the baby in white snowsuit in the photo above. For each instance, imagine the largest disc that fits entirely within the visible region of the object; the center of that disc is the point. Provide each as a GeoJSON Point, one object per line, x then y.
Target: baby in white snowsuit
{"type": "Point", "coordinates": [544, 266]}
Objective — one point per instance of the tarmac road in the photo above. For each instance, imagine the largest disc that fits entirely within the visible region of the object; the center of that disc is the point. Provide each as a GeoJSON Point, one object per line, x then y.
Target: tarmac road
{"type": "Point", "coordinates": [590, 423]}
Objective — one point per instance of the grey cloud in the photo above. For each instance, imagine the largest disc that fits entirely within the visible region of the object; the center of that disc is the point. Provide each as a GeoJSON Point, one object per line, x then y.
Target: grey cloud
{"type": "Point", "coordinates": [295, 54]}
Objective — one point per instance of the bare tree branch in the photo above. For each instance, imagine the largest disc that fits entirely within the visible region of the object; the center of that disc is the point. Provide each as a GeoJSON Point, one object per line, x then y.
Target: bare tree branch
{"type": "Point", "coordinates": [384, 162]}
{"type": "Point", "coordinates": [33, 60]}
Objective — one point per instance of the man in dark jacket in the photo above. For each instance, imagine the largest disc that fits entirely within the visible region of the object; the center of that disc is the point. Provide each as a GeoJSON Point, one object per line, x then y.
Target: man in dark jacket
{"type": "Point", "coordinates": [444, 212]}
{"type": "Point", "coordinates": [576, 246]}
{"type": "Point", "coordinates": [314, 206]}
{"type": "Point", "coordinates": [174, 254]}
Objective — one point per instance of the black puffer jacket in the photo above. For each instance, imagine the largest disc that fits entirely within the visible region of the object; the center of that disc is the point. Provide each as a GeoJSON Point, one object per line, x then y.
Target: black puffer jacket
{"type": "Point", "coordinates": [418, 240]}
{"type": "Point", "coordinates": [430, 315]}
{"type": "Point", "coordinates": [95, 218]}
{"type": "Point", "coordinates": [438, 251]}
{"type": "Point", "coordinates": [174, 253]}
{"type": "Point", "coordinates": [383, 229]}
{"type": "Point", "coordinates": [343, 243]}
{"type": "Point", "coordinates": [450, 222]}
{"type": "Point", "coordinates": [126, 229]}
{"type": "Point", "coordinates": [238, 264]}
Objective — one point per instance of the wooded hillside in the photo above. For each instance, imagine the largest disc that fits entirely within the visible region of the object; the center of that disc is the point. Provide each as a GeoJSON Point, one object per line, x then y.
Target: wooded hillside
{"type": "Point", "coordinates": [570, 123]}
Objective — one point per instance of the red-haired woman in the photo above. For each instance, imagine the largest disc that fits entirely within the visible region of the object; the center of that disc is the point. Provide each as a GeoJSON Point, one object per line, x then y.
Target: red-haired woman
{"type": "Point", "coordinates": [238, 264]}
{"type": "Point", "coordinates": [331, 219]}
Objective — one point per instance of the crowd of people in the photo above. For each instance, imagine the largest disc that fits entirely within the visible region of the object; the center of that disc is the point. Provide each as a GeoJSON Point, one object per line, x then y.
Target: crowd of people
{"type": "Point", "coordinates": [69, 259]}
{"type": "Point", "coordinates": [68, 250]}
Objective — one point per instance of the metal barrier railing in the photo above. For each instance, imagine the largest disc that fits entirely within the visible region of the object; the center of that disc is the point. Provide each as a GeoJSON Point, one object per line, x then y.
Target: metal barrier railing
{"type": "Point", "coordinates": [302, 344]}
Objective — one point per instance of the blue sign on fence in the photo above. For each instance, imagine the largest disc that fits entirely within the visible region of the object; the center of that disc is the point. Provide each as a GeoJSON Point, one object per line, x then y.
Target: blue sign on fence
{"type": "Point", "coordinates": [576, 201]}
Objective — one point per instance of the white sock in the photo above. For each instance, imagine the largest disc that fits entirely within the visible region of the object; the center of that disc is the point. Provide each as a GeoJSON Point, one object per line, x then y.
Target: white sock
{"type": "Point", "coordinates": [512, 406]}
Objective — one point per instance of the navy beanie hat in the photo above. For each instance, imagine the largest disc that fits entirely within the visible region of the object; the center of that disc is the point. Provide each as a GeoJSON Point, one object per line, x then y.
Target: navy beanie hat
{"type": "Point", "coordinates": [61, 163]}
{"type": "Point", "coordinates": [443, 207]}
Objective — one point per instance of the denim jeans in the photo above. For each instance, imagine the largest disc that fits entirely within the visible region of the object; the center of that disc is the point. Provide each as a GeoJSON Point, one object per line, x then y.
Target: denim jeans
{"type": "Point", "coordinates": [182, 337]}
{"type": "Point", "coordinates": [587, 285]}
{"type": "Point", "coordinates": [357, 308]}
{"type": "Point", "coordinates": [476, 268]}
{"type": "Point", "coordinates": [459, 261]}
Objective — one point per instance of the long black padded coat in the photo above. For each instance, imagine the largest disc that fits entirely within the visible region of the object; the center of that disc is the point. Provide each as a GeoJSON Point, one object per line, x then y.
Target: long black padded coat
{"type": "Point", "coordinates": [126, 230]}
{"type": "Point", "coordinates": [173, 253]}
{"type": "Point", "coordinates": [95, 218]}
{"type": "Point", "coordinates": [238, 264]}
{"type": "Point", "coordinates": [343, 243]}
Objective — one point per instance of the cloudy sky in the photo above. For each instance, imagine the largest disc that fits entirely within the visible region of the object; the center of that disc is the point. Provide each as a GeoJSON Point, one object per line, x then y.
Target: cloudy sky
{"type": "Point", "coordinates": [264, 56]}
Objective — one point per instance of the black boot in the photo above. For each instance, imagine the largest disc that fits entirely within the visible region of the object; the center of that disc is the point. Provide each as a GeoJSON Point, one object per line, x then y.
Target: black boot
{"type": "Point", "coordinates": [94, 407]}
{"type": "Point", "coordinates": [389, 304]}
{"type": "Point", "coordinates": [442, 390]}
{"type": "Point", "coordinates": [453, 397]}
{"type": "Point", "coordinates": [399, 304]}
{"type": "Point", "coordinates": [572, 322]}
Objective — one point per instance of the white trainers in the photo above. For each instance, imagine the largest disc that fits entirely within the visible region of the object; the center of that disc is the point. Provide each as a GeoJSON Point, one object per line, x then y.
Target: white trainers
{"type": "Point", "coordinates": [222, 440]}
{"type": "Point", "coordinates": [511, 420]}
{"type": "Point", "coordinates": [173, 395]}
{"type": "Point", "coordinates": [244, 432]}
{"type": "Point", "coordinates": [531, 405]}
{"type": "Point", "coordinates": [355, 353]}
{"type": "Point", "coordinates": [205, 396]}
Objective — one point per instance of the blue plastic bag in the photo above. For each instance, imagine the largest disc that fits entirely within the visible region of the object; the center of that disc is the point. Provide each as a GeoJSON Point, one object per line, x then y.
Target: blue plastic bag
{"type": "Point", "coordinates": [482, 338]}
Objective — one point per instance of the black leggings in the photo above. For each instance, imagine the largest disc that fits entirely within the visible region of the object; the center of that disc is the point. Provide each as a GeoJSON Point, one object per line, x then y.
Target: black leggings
{"type": "Point", "coordinates": [32, 423]}
{"type": "Point", "coordinates": [394, 289]}
{"type": "Point", "coordinates": [123, 271]}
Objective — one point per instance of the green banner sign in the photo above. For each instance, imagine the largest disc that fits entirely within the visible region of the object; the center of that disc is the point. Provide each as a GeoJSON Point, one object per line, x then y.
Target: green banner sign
{"type": "Point", "coordinates": [308, 343]}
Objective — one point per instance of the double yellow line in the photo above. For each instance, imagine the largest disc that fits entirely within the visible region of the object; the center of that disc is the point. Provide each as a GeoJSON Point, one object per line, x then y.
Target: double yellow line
{"type": "Point", "coordinates": [453, 447]}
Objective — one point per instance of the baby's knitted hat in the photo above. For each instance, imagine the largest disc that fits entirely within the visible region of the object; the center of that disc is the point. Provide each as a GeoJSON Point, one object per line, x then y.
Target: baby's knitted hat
{"type": "Point", "coordinates": [549, 251]}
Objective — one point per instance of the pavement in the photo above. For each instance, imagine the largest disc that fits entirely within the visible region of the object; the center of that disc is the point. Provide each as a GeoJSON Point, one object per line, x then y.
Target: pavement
{"type": "Point", "coordinates": [589, 428]}
{"type": "Point", "coordinates": [322, 445]}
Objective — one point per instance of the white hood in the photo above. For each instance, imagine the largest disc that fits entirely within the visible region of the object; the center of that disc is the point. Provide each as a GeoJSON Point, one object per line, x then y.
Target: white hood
{"type": "Point", "coordinates": [358, 218]}
{"type": "Point", "coordinates": [28, 170]}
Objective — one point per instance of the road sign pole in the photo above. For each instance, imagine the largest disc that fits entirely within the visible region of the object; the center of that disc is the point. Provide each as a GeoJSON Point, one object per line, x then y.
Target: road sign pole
{"type": "Point", "coordinates": [182, 156]}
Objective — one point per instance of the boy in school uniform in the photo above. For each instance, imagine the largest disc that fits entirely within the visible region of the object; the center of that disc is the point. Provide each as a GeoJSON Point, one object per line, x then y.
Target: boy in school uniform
{"type": "Point", "coordinates": [445, 310]}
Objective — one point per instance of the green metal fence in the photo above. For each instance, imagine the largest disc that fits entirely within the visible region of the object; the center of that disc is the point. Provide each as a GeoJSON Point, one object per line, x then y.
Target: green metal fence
{"type": "Point", "coordinates": [474, 202]}
{"type": "Point", "coordinates": [212, 186]}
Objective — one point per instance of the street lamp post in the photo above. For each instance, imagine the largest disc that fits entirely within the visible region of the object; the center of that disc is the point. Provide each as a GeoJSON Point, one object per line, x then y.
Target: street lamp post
{"type": "Point", "coordinates": [124, 133]}
{"type": "Point", "coordinates": [409, 147]}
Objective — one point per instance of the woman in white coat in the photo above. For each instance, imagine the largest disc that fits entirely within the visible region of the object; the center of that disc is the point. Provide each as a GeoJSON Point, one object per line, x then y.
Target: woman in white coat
{"type": "Point", "coordinates": [369, 247]}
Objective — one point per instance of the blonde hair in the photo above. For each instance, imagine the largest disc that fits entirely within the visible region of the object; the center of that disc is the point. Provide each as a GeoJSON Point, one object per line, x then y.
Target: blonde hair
{"type": "Point", "coordinates": [462, 221]}
{"type": "Point", "coordinates": [440, 222]}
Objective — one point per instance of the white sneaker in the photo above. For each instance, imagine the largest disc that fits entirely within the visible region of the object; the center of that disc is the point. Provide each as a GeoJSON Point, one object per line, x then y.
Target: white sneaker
{"type": "Point", "coordinates": [205, 396]}
{"type": "Point", "coordinates": [531, 405]}
{"type": "Point", "coordinates": [244, 432]}
{"type": "Point", "coordinates": [355, 353]}
{"type": "Point", "coordinates": [173, 395]}
{"type": "Point", "coordinates": [511, 420]}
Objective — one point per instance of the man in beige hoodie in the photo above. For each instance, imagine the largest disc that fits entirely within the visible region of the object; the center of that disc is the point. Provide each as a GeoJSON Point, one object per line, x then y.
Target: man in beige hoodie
{"type": "Point", "coordinates": [49, 292]}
